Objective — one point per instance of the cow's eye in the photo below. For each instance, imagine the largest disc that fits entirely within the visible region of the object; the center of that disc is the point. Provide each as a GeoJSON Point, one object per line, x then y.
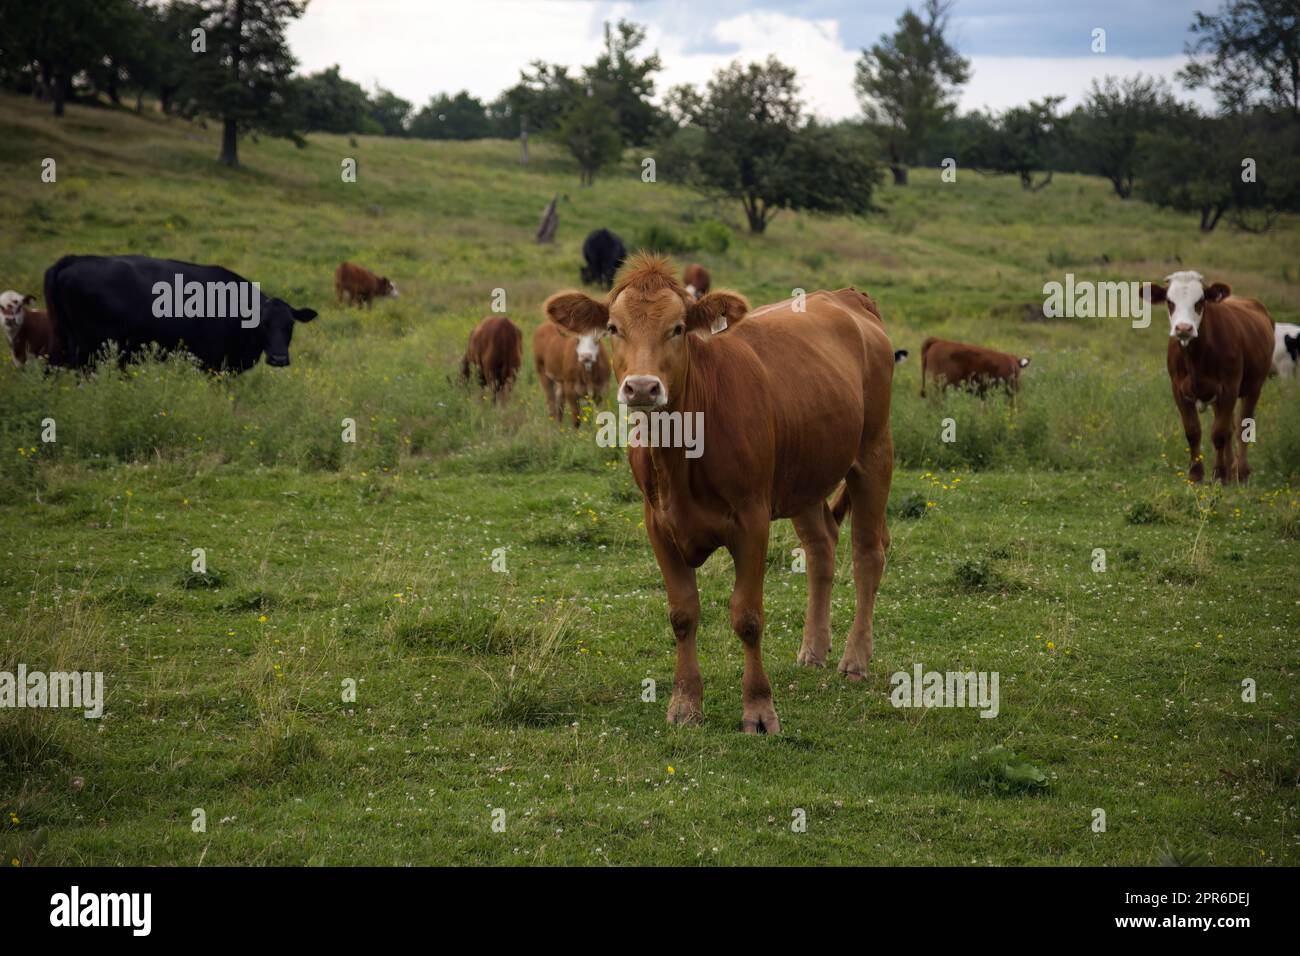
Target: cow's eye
{"type": "Point", "coordinates": [678, 329]}
{"type": "Point", "coordinates": [612, 329]}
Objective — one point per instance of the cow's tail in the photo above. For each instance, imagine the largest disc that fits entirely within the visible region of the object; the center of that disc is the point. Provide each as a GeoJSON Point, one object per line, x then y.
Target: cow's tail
{"type": "Point", "coordinates": [842, 505]}
{"type": "Point", "coordinates": [925, 352]}
{"type": "Point", "coordinates": [464, 367]}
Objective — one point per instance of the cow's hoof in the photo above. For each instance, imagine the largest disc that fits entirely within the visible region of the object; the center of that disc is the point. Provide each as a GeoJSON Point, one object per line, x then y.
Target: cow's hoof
{"type": "Point", "coordinates": [809, 658]}
{"type": "Point", "coordinates": [853, 672]}
{"type": "Point", "coordinates": [683, 711]}
{"type": "Point", "coordinates": [760, 718]}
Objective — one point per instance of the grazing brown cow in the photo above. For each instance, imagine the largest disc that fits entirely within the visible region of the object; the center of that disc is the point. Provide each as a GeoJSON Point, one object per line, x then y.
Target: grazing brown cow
{"type": "Point", "coordinates": [1220, 349]}
{"type": "Point", "coordinates": [569, 368]}
{"type": "Point", "coordinates": [953, 364]}
{"type": "Point", "coordinates": [361, 285]}
{"type": "Point", "coordinates": [696, 278]}
{"type": "Point", "coordinates": [30, 332]}
{"type": "Point", "coordinates": [496, 350]}
{"type": "Point", "coordinates": [793, 405]}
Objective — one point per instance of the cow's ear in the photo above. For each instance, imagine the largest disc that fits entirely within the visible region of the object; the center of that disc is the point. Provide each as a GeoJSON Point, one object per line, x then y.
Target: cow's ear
{"type": "Point", "coordinates": [1156, 292]}
{"type": "Point", "coordinates": [1218, 292]}
{"type": "Point", "coordinates": [303, 315]}
{"type": "Point", "coordinates": [577, 312]}
{"type": "Point", "coordinates": [716, 311]}
{"type": "Point", "coordinates": [29, 299]}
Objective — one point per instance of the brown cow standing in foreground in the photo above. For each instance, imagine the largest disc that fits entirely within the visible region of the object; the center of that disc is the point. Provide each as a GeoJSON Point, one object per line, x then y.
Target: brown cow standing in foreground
{"type": "Point", "coordinates": [1220, 349]}
{"type": "Point", "coordinates": [696, 278]}
{"type": "Point", "coordinates": [569, 368]}
{"type": "Point", "coordinates": [30, 331]}
{"type": "Point", "coordinates": [793, 404]}
{"type": "Point", "coordinates": [952, 364]}
{"type": "Point", "coordinates": [361, 285]}
{"type": "Point", "coordinates": [496, 350]}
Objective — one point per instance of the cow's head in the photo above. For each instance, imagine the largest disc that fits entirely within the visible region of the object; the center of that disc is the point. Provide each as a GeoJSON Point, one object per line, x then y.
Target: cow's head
{"type": "Point", "coordinates": [1186, 296]}
{"type": "Point", "coordinates": [387, 288]}
{"type": "Point", "coordinates": [647, 316]}
{"type": "Point", "coordinates": [588, 350]}
{"type": "Point", "coordinates": [13, 308]}
{"type": "Point", "coordinates": [1292, 345]}
{"type": "Point", "coordinates": [279, 318]}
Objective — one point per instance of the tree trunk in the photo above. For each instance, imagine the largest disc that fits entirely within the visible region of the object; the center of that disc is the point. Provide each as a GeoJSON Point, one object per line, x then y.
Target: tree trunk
{"type": "Point", "coordinates": [523, 139]}
{"type": "Point", "coordinates": [229, 143]}
{"type": "Point", "coordinates": [59, 94]}
{"type": "Point", "coordinates": [230, 128]}
{"type": "Point", "coordinates": [900, 175]}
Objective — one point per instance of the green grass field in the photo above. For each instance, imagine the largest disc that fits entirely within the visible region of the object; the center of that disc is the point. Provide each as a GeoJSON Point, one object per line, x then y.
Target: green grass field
{"type": "Point", "coordinates": [522, 692]}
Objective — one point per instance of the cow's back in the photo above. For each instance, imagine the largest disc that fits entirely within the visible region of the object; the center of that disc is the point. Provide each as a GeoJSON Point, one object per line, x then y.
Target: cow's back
{"type": "Point", "coordinates": [1254, 335]}
{"type": "Point", "coordinates": [96, 300]}
{"type": "Point", "coordinates": [805, 384]}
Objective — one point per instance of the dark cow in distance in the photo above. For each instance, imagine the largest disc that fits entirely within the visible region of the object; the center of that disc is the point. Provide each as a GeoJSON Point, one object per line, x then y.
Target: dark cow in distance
{"type": "Point", "coordinates": [1220, 350]}
{"type": "Point", "coordinates": [218, 316]}
{"type": "Point", "coordinates": [361, 286]}
{"type": "Point", "coordinates": [602, 252]}
{"type": "Point", "coordinates": [29, 331]}
{"type": "Point", "coordinates": [794, 406]}
{"type": "Point", "coordinates": [495, 352]}
{"type": "Point", "coordinates": [696, 278]}
{"type": "Point", "coordinates": [955, 364]}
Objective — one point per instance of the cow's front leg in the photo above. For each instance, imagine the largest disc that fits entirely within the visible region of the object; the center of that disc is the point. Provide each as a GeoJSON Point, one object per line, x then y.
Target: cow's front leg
{"type": "Point", "coordinates": [1221, 436]}
{"type": "Point", "coordinates": [687, 704]}
{"type": "Point", "coordinates": [1192, 430]}
{"type": "Point", "coordinates": [758, 715]}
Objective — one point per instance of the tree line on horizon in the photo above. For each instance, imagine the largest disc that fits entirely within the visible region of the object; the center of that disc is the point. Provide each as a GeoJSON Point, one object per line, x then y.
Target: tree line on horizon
{"type": "Point", "coordinates": [747, 135]}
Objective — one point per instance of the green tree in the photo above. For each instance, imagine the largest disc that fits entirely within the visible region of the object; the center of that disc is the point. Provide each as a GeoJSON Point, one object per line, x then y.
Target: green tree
{"type": "Point", "coordinates": [1104, 129]}
{"type": "Point", "coordinates": [244, 78]}
{"type": "Point", "coordinates": [1248, 54]}
{"type": "Point", "coordinates": [327, 102]}
{"type": "Point", "coordinates": [390, 112]}
{"type": "Point", "coordinates": [452, 117]}
{"type": "Point", "coordinates": [755, 146]}
{"type": "Point", "coordinates": [627, 83]}
{"type": "Point", "coordinates": [1245, 167]}
{"type": "Point", "coordinates": [61, 38]}
{"type": "Point", "coordinates": [590, 131]}
{"type": "Point", "coordinates": [1022, 141]}
{"type": "Point", "coordinates": [909, 81]}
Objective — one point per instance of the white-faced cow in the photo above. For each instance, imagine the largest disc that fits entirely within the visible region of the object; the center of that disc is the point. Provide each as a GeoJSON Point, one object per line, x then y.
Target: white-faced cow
{"type": "Point", "coordinates": [29, 331]}
{"type": "Point", "coordinates": [793, 403]}
{"type": "Point", "coordinates": [1220, 350]}
{"type": "Point", "coordinates": [1286, 349]}
{"type": "Point", "coordinates": [569, 369]}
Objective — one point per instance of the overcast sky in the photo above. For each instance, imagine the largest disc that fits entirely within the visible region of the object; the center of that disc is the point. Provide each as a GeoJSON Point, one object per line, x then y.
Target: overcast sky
{"type": "Point", "coordinates": [1019, 49]}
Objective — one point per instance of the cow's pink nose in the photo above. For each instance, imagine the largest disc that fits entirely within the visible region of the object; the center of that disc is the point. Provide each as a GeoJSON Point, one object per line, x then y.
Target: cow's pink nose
{"type": "Point", "coordinates": [1182, 328]}
{"type": "Point", "coordinates": [641, 390]}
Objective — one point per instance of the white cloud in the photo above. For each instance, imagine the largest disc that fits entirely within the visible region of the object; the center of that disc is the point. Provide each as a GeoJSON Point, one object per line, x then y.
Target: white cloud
{"type": "Point", "coordinates": [418, 48]}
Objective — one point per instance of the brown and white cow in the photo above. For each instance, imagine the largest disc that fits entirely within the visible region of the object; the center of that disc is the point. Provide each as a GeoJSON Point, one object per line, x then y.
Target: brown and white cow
{"type": "Point", "coordinates": [952, 364]}
{"type": "Point", "coordinates": [1220, 350]}
{"type": "Point", "coordinates": [496, 350]}
{"type": "Point", "coordinates": [30, 332]}
{"type": "Point", "coordinates": [569, 368]}
{"type": "Point", "coordinates": [360, 285]}
{"type": "Point", "coordinates": [792, 405]}
{"type": "Point", "coordinates": [696, 278]}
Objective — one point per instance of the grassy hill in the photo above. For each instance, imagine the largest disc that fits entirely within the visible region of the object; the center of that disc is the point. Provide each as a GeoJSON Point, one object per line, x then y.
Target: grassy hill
{"type": "Point", "coordinates": [523, 691]}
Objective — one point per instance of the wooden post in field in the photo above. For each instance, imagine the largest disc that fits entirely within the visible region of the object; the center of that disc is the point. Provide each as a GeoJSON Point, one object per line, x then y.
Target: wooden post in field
{"type": "Point", "coordinates": [550, 222]}
{"type": "Point", "coordinates": [523, 139]}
